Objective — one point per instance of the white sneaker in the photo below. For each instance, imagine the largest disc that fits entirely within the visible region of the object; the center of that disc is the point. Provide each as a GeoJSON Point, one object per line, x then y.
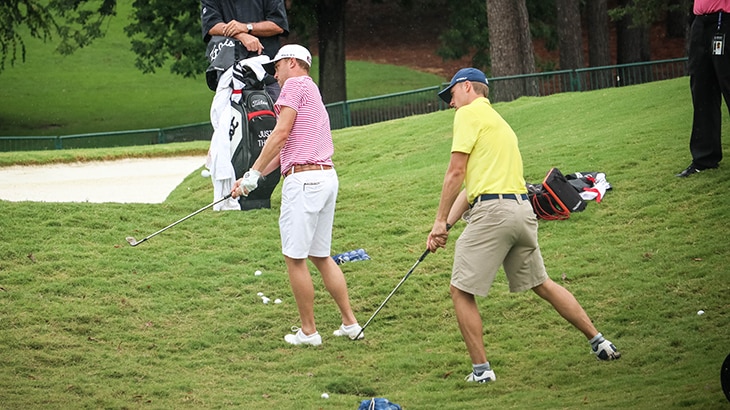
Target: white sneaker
{"type": "Point", "coordinates": [352, 331]}
{"type": "Point", "coordinates": [486, 376]}
{"type": "Point", "coordinates": [299, 338]}
{"type": "Point", "coordinates": [606, 351]}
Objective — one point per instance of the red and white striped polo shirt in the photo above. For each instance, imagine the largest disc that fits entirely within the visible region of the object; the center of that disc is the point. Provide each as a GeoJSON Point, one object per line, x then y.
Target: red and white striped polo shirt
{"type": "Point", "coordinates": [310, 141]}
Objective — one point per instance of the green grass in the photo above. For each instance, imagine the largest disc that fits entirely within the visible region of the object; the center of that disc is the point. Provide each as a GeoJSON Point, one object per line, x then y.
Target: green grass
{"type": "Point", "coordinates": [87, 321]}
{"type": "Point", "coordinates": [98, 89]}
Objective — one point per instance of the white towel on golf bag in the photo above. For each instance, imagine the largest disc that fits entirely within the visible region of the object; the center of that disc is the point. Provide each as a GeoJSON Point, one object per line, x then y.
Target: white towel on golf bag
{"type": "Point", "coordinates": [599, 188]}
{"type": "Point", "coordinates": [218, 161]}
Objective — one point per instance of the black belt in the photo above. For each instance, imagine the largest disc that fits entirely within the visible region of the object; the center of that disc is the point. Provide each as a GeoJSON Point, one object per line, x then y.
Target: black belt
{"type": "Point", "coordinates": [714, 16]}
{"type": "Point", "coordinates": [487, 197]}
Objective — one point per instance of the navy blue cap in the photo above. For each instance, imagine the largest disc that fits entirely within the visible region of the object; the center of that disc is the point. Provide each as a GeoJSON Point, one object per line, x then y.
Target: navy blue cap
{"type": "Point", "coordinates": [465, 74]}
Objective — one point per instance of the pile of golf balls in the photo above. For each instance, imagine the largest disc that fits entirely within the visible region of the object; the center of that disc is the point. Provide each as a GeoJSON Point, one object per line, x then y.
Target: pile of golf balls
{"type": "Point", "coordinates": [352, 256]}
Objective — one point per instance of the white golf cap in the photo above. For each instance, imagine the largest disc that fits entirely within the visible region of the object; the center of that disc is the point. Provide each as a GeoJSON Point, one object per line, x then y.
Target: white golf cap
{"type": "Point", "coordinates": [289, 51]}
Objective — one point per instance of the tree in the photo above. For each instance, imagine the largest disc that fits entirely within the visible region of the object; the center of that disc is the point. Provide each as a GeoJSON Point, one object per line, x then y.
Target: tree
{"type": "Point", "coordinates": [165, 29]}
{"type": "Point", "coordinates": [634, 18]}
{"type": "Point", "coordinates": [597, 22]}
{"type": "Point", "coordinates": [678, 14]}
{"type": "Point", "coordinates": [332, 73]}
{"type": "Point", "coordinates": [511, 49]}
{"type": "Point", "coordinates": [570, 34]}
{"type": "Point", "coordinates": [76, 22]}
{"type": "Point", "coordinates": [631, 35]}
{"type": "Point", "coordinates": [326, 19]}
{"type": "Point", "coordinates": [598, 44]}
{"type": "Point", "coordinates": [467, 34]}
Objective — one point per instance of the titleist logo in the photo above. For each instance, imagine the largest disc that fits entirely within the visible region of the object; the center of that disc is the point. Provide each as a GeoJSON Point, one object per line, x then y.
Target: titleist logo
{"type": "Point", "coordinates": [257, 102]}
{"type": "Point", "coordinates": [218, 47]}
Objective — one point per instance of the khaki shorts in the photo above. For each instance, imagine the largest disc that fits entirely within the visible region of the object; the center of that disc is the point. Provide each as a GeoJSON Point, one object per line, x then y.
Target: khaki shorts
{"type": "Point", "coordinates": [500, 232]}
{"type": "Point", "coordinates": [307, 213]}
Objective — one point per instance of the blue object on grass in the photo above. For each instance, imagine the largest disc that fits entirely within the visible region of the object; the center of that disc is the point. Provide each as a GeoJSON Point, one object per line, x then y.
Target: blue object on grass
{"type": "Point", "coordinates": [351, 256]}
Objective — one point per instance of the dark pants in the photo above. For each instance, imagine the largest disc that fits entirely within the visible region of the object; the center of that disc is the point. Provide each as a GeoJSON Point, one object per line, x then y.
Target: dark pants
{"type": "Point", "coordinates": [709, 81]}
{"type": "Point", "coordinates": [272, 87]}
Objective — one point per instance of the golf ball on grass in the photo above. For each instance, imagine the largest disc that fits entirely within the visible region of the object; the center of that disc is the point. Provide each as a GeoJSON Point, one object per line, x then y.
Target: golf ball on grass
{"type": "Point", "coordinates": [205, 173]}
{"type": "Point", "coordinates": [265, 300]}
{"type": "Point", "coordinates": [325, 396]}
{"type": "Point", "coordinates": [257, 273]}
{"type": "Point", "coordinates": [700, 312]}
{"type": "Point", "coordinates": [277, 301]}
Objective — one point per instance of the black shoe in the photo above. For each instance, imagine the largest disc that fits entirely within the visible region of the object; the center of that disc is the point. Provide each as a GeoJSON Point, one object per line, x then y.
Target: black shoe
{"type": "Point", "coordinates": [691, 170]}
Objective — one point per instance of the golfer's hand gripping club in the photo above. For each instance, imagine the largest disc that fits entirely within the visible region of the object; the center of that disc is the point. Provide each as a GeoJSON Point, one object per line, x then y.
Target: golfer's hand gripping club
{"type": "Point", "coordinates": [250, 180]}
{"type": "Point", "coordinates": [248, 183]}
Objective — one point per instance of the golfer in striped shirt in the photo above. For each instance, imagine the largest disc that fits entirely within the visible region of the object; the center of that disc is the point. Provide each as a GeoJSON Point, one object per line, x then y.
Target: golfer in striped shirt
{"type": "Point", "coordinates": [301, 143]}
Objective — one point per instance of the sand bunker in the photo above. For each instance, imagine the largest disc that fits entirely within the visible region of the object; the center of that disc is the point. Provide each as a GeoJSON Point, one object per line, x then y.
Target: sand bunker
{"type": "Point", "coordinates": [148, 180]}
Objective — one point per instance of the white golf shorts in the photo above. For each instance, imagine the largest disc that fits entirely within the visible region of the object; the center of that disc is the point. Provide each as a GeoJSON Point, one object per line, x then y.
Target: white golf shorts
{"type": "Point", "coordinates": [307, 212]}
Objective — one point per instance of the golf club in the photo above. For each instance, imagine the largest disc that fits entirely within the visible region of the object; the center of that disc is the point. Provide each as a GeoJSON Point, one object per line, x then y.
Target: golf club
{"type": "Point", "coordinates": [423, 256]}
{"type": "Point", "coordinates": [135, 242]}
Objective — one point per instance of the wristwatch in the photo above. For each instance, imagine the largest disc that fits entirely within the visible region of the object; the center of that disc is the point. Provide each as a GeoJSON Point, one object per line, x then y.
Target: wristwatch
{"type": "Point", "coordinates": [249, 27]}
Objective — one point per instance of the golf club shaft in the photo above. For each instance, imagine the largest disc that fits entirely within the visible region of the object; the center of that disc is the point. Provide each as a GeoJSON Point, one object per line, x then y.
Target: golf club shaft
{"type": "Point", "coordinates": [187, 217]}
{"type": "Point", "coordinates": [423, 256]}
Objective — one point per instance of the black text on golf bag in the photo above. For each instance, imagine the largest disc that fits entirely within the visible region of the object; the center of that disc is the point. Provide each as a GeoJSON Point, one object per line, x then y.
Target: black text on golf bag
{"type": "Point", "coordinates": [251, 124]}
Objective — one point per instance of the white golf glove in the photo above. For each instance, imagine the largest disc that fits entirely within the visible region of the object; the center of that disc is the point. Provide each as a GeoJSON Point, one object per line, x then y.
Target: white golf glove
{"type": "Point", "coordinates": [250, 181]}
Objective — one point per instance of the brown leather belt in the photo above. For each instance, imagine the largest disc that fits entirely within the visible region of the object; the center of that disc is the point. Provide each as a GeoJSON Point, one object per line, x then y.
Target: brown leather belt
{"type": "Point", "coordinates": [306, 167]}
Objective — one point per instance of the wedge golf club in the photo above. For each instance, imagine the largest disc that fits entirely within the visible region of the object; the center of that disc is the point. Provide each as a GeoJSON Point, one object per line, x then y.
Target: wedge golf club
{"type": "Point", "coordinates": [135, 242]}
{"type": "Point", "coordinates": [423, 256]}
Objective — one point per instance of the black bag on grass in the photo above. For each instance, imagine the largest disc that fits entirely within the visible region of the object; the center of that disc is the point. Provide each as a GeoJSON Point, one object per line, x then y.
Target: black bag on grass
{"type": "Point", "coordinates": [555, 198]}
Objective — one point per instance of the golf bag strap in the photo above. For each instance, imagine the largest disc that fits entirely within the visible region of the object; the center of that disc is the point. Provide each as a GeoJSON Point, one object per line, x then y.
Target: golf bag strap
{"type": "Point", "coordinates": [259, 113]}
{"type": "Point", "coordinates": [554, 213]}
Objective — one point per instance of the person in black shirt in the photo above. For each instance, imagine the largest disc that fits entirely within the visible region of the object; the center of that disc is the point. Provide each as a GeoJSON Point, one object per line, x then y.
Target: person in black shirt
{"type": "Point", "coordinates": [257, 24]}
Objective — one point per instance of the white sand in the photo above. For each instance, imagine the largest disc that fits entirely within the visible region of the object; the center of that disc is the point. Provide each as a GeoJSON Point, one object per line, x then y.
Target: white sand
{"type": "Point", "coordinates": [125, 181]}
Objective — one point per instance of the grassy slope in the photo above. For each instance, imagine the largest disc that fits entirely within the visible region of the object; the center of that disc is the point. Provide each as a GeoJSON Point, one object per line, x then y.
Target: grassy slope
{"type": "Point", "coordinates": [87, 321]}
{"type": "Point", "coordinates": [98, 89]}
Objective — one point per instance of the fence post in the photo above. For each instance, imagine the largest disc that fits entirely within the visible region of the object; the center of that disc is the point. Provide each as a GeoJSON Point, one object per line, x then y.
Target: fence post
{"type": "Point", "coordinates": [575, 81]}
{"type": "Point", "coordinates": [347, 117]}
{"type": "Point", "coordinates": [57, 142]}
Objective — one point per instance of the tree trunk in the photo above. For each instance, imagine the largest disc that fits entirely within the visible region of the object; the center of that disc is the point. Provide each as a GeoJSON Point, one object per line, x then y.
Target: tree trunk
{"type": "Point", "coordinates": [570, 36]}
{"type": "Point", "coordinates": [332, 78]}
{"type": "Point", "coordinates": [632, 40]}
{"type": "Point", "coordinates": [628, 42]}
{"type": "Point", "coordinates": [511, 49]}
{"type": "Point", "coordinates": [599, 54]}
{"type": "Point", "coordinates": [632, 46]}
{"type": "Point", "coordinates": [678, 18]}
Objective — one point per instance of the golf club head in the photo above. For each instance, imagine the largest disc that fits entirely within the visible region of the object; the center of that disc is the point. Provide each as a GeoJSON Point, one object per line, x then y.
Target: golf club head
{"type": "Point", "coordinates": [133, 241]}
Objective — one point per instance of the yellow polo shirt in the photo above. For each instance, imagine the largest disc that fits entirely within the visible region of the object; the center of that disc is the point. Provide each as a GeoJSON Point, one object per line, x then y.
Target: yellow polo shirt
{"type": "Point", "coordinates": [495, 162]}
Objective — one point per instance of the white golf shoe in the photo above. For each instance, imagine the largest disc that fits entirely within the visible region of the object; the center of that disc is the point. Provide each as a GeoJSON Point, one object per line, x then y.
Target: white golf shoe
{"type": "Point", "coordinates": [351, 331]}
{"type": "Point", "coordinates": [299, 338]}
{"type": "Point", "coordinates": [485, 377]}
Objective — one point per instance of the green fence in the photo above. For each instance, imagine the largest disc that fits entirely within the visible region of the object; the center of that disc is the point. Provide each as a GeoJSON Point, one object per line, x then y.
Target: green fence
{"type": "Point", "coordinates": [386, 107]}
{"type": "Point", "coordinates": [585, 79]}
